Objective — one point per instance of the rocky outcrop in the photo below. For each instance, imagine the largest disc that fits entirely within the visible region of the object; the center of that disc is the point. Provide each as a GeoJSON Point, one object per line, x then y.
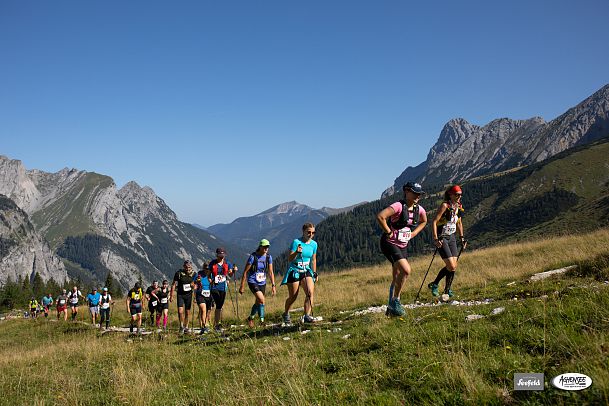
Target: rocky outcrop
{"type": "Point", "coordinates": [23, 252]}
{"type": "Point", "coordinates": [141, 234]}
{"type": "Point", "coordinates": [464, 150]}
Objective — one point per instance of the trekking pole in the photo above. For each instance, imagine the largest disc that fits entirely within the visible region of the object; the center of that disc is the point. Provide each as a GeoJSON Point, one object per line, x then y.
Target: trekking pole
{"type": "Point", "coordinates": [235, 269]}
{"type": "Point", "coordinates": [425, 277]}
{"type": "Point", "coordinates": [231, 299]}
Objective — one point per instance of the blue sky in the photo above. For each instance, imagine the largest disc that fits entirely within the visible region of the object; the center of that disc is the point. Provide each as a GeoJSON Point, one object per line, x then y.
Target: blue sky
{"type": "Point", "coordinates": [228, 108]}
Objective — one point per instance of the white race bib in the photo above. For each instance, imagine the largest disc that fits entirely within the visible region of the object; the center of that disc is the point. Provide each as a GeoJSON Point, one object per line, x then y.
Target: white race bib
{"type": "Point", "coordinates": [260, 277]}
{"type": "Point", "coordinates": [105, 305]}
{"type": "Point", "coordinates": [449, 229]}
{"type": "Point", "coordinates": [220, 279]}
{"type": "Point", "coordinates": [164, 300]}
{"type": "Point", "coordinates": [205, 293]}
{"type": "Point", "coordinates": [154, 303]}
{"type": "Point", "coordinates": [186, 287]}
{"type": "Point", "coordinates": [62, 302]}
{"type": "Point", "coordinates": [404, 234]}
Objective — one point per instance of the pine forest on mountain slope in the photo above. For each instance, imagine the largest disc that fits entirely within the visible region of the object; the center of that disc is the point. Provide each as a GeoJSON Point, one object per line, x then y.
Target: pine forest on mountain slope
{"type": "Point", "coordinates": [567, 193]}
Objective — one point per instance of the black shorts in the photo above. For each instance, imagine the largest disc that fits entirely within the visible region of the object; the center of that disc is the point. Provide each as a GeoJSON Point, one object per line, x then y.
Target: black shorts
{"type": "Point", "coordinates": [209, 301]}
{"type": "Point", "coordinates": [153, 309]}
{"type": "Point", "coordinates": [392, 252]}
{"type": "Point", "coordinates": [163, 306]}
{"type": "Point", "coordinates": [449, 247]}
{"type": "Point", "coordinates": [135, 309]}
{"type": "Point", "coordinates": [185, 300]}
{"type": "Point", "coordinates": [296, 276]}
{"type": "Point", "coordinates": [105, 313]}
{"type": "Point", "coordinates": [219, 297]}
{"type": "Point", "coordinates": [254, 287]}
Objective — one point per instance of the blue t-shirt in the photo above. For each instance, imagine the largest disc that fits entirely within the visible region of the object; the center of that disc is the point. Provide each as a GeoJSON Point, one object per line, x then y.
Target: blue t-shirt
{"type": "Point", "coordinates": [93, 299]}
{"type": "Point", "coordinates": [257, 272]}
{"type": "Point", "coordinates": [203, 286]}
{"type": "Point", "coordinates": [219, 281]}
{"type": "Point", "coordinates": [47, 301]}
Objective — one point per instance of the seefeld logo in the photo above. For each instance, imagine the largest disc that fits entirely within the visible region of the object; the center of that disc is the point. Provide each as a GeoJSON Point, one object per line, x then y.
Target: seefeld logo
{"type": "Point", "coordinates": [572, 381]}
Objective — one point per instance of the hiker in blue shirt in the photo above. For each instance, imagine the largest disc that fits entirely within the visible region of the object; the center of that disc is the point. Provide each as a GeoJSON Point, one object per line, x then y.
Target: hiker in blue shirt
{"type": "Point", "coordinates": [93, 299]}
{"type": "Point", "coordinates": [259, 264]}
{"type": "Point", "coordinates": [203, 297]}
{"type": "Point", "coordinates": [47, 302]}
{"type": "Point", "coordinates": [220, 272]}
{"type": "Point", "coordinates": [301, 271]}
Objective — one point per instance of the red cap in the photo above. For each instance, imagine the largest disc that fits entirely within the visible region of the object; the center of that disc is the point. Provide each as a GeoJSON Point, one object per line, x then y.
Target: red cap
{"type": "Point", "coordinates": [454, 190]}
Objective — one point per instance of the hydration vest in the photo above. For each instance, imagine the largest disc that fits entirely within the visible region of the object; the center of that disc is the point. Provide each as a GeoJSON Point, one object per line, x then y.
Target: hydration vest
{"type": "Point", "coordinates": [214, 269]}
{"type": "Point", "coordinates": [449, 213]}
{"type": "Point", "coordinates": [255, 269]}
{"type": "Point", "coordinates": [136, 296]}
{"type": "Point", "coordinates": [404, 219]}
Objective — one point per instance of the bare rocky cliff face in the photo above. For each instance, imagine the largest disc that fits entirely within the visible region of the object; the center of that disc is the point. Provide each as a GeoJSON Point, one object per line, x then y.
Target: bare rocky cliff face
{"type": "Point", "coordinates": [23, 251]}
{"type": "Point", "coordinates": [142, 236]}
{"type": "Point", "coordinates": [464, 150]}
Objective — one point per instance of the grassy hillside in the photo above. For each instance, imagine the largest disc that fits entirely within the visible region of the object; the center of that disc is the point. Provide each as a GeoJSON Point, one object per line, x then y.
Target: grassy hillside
{"type": "Point", "coordinates": [431, 356]}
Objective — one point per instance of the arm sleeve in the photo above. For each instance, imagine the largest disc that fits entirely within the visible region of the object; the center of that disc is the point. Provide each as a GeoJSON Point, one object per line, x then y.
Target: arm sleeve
{"type": "Point", "coordinates": [250, 260]}
{"type": "Point", "coordinates": [270, 259]}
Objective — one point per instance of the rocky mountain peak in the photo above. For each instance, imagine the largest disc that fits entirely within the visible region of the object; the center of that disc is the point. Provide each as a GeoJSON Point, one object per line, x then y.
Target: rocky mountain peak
{"type": "Point", "coordinates": [464, 150]}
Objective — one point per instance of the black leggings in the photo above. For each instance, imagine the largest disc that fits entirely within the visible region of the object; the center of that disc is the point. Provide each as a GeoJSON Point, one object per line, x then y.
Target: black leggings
{"type": "Point", "coordinates": [105, 316]}
{"type": "Point", "coordinates": [219, 297]}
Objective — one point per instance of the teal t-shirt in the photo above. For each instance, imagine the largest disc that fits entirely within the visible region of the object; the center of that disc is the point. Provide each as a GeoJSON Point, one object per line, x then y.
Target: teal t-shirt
{"type": "Point", "coordinates": [302, 262]}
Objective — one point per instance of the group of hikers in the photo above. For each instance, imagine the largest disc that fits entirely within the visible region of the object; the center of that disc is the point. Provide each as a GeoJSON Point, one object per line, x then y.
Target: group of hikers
{"type": "Point", "coordinates": [405, 219]}
{"type": "Point", "coordinates": [400, 222]}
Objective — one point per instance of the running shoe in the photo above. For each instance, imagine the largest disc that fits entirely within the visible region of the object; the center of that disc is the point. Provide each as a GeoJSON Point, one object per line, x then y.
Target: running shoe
{"type": "Point", "coordinates": [186, 330]}
{"type": "Point", "coordinates": [308, 319]}
{"type": "Point", "coordinates": [450, 293]}
{"type": "Point", "coordinates": [398, 309]}
{"type": "Point", "coordinates": [205, 330]}
{"type": "Point", "coordinates": [286, 318]}
{"type": "Point", "coordinates": [218, 328]}
{"type": "Point", "coordinates": [434, 289]}
{"type": "Point", "coordinates": [181, 330]}
{"type": "Point", "coordinates": [250, 322]}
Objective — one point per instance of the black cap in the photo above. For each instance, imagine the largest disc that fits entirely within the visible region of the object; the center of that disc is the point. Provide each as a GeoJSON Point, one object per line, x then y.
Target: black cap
{"type": "Point", "coordinates": [413, 187]}
{"type": "Point", "coordinates": [220, 251]}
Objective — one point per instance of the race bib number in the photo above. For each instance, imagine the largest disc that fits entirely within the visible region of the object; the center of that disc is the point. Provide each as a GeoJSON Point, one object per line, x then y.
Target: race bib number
{"type": "Point", "coordinates": [62, 302]}
{"type": "Point", "coordinates": [154, 303]}
{"type": "Point", "coordinates": [302, 264]}
{"type": "Point", "coordinates": [164, 300]}
{"type": "Point", "coordinates": [105, 305]}
{"type": "Point", "coordinates": [220, 279]}
{"type": "Point", "coordinates": [449, 228]}
{"type": "Point", "coordinates": [136, 296]}
{"type": "Point", "coordinates": [205, 293]}
{"type": "Point", "coordinates": [404, 234]}
{"type": "Point", "coordinates": [260, 277]}
{"type": "Point", "coordinates": [186, 287]}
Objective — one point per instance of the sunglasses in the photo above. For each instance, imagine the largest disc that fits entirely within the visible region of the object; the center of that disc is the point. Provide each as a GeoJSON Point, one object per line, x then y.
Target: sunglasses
{"type": "Point", "coordinates": [311, 232]}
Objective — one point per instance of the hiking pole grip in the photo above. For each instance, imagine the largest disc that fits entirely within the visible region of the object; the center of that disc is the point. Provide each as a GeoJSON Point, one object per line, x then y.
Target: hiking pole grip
{"type": "Point", "coordinates": [425, 277]}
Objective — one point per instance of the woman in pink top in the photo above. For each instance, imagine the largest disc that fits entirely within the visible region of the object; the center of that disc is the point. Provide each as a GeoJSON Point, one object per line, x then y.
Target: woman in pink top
{"type": "Point", "coordinates": [400, 222]}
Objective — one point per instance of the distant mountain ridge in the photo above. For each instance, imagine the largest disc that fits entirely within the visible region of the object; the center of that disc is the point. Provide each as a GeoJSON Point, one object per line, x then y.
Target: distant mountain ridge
{"type": "Point", "coordinates": [464, 151]}
{"type": "Point", "coordinates": [141, 236]}
{"type": "Point", "coordinates": [280, 225]}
